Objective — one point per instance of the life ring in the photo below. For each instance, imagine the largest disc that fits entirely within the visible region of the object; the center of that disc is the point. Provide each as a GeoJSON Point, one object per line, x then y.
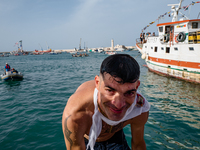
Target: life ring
{"type": "Point", "coordinates": [175, 38]}
{"type": "Point", "coordinates": [161, 39]}
{"type": "Point", "coordinates": [166, 38]}
{"type": "Point", "coordinates": [181, 37]}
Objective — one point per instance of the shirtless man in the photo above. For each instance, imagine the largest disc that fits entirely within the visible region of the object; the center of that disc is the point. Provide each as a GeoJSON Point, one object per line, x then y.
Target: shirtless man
{"type": "Point", "coordinates": [96, 113]}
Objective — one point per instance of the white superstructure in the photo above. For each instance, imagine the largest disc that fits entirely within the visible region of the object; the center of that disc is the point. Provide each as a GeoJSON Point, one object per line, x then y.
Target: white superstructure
{"type": "Point", "coordinates": [175, 51]}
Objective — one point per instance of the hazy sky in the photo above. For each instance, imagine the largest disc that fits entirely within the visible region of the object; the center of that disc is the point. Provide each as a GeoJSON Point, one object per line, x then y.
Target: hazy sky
{"type": "Point", "coordinates": [61, 23]}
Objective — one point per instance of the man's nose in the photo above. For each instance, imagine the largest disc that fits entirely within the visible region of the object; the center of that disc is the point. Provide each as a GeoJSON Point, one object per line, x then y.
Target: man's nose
{"type": "Point", "coordinates": [119, 100]}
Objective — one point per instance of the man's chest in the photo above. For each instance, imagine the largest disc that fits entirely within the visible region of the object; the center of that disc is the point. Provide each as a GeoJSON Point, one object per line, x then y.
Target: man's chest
{"type": "Point", "coordinates": [106, 128]}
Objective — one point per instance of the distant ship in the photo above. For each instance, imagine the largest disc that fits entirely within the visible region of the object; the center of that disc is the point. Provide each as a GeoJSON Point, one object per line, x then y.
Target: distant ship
{"type": "Point", "coordinates": [175, 51]}
{"type": "Point", "coordinates": [43, 51]}
{"type": "Point", "coordinates": [20, 50]}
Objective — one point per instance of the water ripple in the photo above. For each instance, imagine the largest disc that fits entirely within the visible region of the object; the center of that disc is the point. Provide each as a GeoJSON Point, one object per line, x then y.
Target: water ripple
{"type": "Point", "coordinates": [31, 109]}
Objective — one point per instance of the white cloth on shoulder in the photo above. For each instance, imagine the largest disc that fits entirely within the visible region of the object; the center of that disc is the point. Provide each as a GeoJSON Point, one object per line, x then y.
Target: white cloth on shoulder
{"type": "Point", "coordinates": [97, 118]}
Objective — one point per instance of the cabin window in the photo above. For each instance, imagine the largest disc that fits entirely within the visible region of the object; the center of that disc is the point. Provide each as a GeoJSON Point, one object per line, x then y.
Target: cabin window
{"type": "Point", "coordinates": [167, 29]}
{"type": "Point", "coordinates": [167, 49]}
{"type": "Point", "coordinates": [145, 46]}
{"type": "Point", "coordinates": [162, 48]}
{"type": "Point", "coordinates": [191, 48]}
{"type": "Point", "coordinates": [155, 49]}
{"type": "Point", "coordinates": [194, 25]}
{"type": "Point", "coordinates": [160, 29]}
{"type": "Point", "coordinates": [151, 47]}
{"type": "Point", "coordinates": [175, 48]}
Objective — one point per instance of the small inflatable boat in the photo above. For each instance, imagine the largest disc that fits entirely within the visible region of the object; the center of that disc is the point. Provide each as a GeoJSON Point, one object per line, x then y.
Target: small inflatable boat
{"type": "Point", "coordinates": [12, 76]}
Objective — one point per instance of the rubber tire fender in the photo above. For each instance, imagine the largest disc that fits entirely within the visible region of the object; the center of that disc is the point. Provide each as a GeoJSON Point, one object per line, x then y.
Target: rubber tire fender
{"type": "Point", "coordinates": [181, 37]}
{"type": "Point", "coordinates": [166, 37]}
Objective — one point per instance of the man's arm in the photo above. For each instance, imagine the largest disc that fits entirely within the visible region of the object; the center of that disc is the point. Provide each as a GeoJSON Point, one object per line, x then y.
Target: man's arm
{"type": "Point", "coordinates": [137, 131]}
{"type": "Point", "coordinates": [74, 127]}
{"type": "Point", "coordinates": [73, 130]}
{"type": "Point", "coordinates": [77, 118]}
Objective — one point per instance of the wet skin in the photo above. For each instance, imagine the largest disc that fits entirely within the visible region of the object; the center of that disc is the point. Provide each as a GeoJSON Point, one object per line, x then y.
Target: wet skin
{"type": "Point", "coordinates": [114, 98]}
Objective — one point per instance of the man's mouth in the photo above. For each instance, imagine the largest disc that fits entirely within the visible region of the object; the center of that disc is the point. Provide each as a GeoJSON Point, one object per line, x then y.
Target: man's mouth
{"type": "Point", "coordinates": [117, 111]}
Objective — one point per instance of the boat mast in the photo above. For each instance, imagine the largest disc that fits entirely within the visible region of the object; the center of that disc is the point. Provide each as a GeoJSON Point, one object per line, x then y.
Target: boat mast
{"type": "Point", "coordinates": [47, 45]}
{"type": "Point", "coordinates": [20, 43]}
{"type": "Point", "coordinates": [198, 15]}
{"type": "Point", "coordinates": [175, 10]}
{"type": "Point", "coordinates": [41, 47]}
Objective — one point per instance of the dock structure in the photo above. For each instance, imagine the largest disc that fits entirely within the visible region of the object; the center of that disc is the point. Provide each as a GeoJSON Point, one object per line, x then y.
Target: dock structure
{"type": "Point", "coordinates": [112, 48]}
{"type": "Point", "coordinates": [73, 50]}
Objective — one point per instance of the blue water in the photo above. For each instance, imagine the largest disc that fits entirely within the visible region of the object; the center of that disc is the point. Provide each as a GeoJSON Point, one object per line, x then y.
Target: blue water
{"type": "Point", "coordinates": [31, 109]}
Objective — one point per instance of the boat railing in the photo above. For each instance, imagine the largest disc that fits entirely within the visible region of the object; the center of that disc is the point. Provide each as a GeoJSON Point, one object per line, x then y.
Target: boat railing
{"type": "Point", "coordinates": [138, 40]}
{"type": "Point", "coordinates": [139, 43]}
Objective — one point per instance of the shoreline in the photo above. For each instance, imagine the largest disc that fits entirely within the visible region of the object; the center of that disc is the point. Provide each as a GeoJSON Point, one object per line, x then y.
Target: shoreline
{"type": "Point", "coordinates": [73, 50]}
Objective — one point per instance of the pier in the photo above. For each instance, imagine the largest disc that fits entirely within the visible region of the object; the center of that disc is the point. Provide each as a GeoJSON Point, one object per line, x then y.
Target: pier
{"type": "Point", "coordinates": [74, 50]}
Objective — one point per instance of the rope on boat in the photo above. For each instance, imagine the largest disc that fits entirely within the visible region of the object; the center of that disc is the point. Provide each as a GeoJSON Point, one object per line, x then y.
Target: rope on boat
{"type": "Point", "coordinates": [137, 55]}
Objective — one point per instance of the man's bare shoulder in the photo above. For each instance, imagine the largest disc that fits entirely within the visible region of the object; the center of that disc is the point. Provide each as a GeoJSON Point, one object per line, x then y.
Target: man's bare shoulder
{"type": "Point", "coordinates": [82, 99]}
{"type": "Point", "coordinates": [86, 86]}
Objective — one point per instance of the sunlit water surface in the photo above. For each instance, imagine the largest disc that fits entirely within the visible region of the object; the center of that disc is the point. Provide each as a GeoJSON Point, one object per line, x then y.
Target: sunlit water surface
{"type": "Point", "coordinates": [31, 109]}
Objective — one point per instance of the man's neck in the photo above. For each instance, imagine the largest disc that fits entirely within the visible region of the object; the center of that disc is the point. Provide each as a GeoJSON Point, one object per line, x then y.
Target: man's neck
{"type": "Point", "coordinates": [101, 111]}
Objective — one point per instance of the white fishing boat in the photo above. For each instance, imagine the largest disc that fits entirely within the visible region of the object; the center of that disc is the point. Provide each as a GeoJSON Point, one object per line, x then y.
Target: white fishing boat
{"type": "Point", "coordinates": [53, 53]}
{"type": "Point", "coordinates": [175, 51]}
{"type": "Point", "coordinates": [12, 76]}
{"type": "Point", "coordinates": [120, 49]}
{"type": "Point", "coordinates": [100, 50]}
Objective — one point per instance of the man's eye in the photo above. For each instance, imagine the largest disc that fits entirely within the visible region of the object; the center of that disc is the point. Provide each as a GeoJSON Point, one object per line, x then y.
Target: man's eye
{"type": "Point", "coordinates": [109, 90]}
{"type": "Point", "coordinates": [130, 94]}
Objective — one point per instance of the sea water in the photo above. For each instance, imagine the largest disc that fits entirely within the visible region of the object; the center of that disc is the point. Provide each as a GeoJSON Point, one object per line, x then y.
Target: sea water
{"type": "Point", "coordinates": [31, 109]}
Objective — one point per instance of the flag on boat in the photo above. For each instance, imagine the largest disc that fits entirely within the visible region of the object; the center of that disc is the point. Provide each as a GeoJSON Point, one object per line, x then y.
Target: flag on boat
{"type": "Point", "coordinates": [162, 16]}
{"type": "Point", "coordinates": [16, 43]}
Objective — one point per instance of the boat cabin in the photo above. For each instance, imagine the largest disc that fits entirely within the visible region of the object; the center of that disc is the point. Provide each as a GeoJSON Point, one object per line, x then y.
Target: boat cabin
{"type": "Point", "coordinates": [185, 31]}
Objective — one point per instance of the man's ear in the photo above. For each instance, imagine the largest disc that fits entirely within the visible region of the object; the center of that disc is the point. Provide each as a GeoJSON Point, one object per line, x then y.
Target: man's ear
{"type": "Point", "coordinates": [97, 81]}
{"type": "Point", "coordinates": [138, 84]}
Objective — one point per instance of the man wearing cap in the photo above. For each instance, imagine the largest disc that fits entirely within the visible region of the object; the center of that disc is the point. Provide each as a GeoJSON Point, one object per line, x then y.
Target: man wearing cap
{"type": "Point", "coordinates": [6, 68]}
{"type": "Point", "coordinates": [97, 112]}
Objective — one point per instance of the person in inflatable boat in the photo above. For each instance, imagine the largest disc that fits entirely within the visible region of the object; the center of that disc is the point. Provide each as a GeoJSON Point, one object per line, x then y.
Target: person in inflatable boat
{"type": "Point", "coordinates": [6, 68]}
{"type": "Point", "coordinates": [95, 115]}
{"type": "Point", "coordinates": [14, 70]}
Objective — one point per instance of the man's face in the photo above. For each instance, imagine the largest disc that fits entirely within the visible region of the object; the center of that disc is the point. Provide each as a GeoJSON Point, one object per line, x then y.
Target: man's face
{"type": "Point", "coordinates": [115, 98]}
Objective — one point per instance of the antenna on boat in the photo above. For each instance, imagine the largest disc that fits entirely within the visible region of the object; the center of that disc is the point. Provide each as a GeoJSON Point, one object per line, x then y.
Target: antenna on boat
{"type": "Point", "coordinates": [184, 15]}
{"type": "Point", "coordinates": [40, 47]}
{"type": "Point", "coordinates": [47, 45]}
{"type": "Point", "coordinates": [20, 43]}
{"type": "Point", "coordinates": [198, 15]}
{"type": "Point", "coordinates": [175, 10]}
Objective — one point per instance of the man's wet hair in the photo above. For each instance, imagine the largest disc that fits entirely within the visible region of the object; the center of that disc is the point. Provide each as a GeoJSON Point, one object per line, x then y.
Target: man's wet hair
{"type": "Point", "coordinates": [121, 66]}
